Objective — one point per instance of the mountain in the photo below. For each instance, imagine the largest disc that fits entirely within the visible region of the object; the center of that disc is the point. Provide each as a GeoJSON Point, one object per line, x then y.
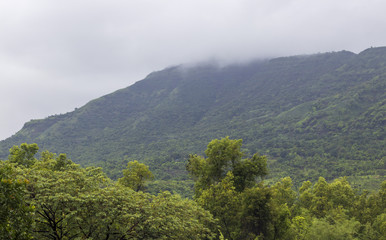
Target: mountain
{"type": "Point", "coordinates": [313, 115]}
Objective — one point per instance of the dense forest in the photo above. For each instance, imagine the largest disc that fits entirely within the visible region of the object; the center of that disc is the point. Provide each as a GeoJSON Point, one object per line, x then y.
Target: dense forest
{"type": "Point", "coordinates": [54, 198]}
{"type": "Point", "coordinates": [313, 115]}
{"type": "Point", "coordinates": [137, 165]}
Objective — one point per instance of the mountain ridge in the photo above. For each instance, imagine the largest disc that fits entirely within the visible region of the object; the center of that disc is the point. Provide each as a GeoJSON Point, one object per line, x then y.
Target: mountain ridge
{"type": "Point", "coordinates": [290, 108]}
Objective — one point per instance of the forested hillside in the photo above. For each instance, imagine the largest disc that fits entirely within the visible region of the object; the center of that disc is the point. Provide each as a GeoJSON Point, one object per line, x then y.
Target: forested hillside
{"type": "Point", "coordinates": [314, 115]}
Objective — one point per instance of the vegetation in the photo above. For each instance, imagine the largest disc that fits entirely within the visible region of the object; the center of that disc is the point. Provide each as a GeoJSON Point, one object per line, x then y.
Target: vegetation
{"type": "Point", "coordinates": [307, 116]}
{"type": "Point", "coordinates": [316, 115]}
{"type": "Point", "coordinates": [135, 176]}
{"type": "Point", "coordinates": [54, 198]}
{"type": "Point", "coordinates": [248, 209]}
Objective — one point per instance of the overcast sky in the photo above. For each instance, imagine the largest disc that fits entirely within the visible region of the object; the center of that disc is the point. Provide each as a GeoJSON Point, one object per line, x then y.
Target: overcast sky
{"type": "Point", "coordinates": [58, 55]}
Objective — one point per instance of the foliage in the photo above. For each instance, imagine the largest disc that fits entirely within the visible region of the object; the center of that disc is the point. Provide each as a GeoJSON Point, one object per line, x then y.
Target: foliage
{"type": "Point", "coordinates": [316, 115]}
{"type": "Point", "coordinates": [71, 202]}
{"type": "Point", "coordinates": [225, 184]}
{"type": "Point", "coordinates": [15, 213]}
{"type": "Point", "coordinates": [54, 198]}
{"type": "Point", "coordinates": [223, 202]}
{"type": "Point", "coordinates": [225, 156]}
{"type": "Point", "coordinates": [23, 155]}
{"type": "Point", "coordinates": [321, 211]}
{"type": "Point", "coordinates": [135, 176]}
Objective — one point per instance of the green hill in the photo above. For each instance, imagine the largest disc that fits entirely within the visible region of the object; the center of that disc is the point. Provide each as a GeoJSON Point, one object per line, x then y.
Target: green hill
{"type": "Point", "coordinates": [313, 115]}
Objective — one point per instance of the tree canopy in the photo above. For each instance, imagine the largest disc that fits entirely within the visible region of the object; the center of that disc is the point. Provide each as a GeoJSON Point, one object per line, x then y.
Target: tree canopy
{"type": "Point", "coordinates": [53, 198]}
{"type": "Point", "coordinates": [231, 188]}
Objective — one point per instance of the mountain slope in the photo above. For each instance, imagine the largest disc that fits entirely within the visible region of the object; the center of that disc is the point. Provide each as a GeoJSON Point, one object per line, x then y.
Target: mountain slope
{"type": "Point", "coordinates": [313, 115]}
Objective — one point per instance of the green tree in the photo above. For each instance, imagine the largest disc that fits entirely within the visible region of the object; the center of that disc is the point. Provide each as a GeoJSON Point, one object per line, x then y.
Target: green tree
{"type": "Point", "coordinates": [225, 156]}
{"type": "Point", "coordinates": [370, 210]}
{"type": "Point", "coordinates": [323, 197]}
{"type": "Point", "coordinates": [15, 212]}
{"type": "Point", "coordinates": [334, 211]}
{"type": "Point", "coordinates": [227, 185]}
{"type": "Point", "coordinates": [224, 202]}
{"type": "Point", "coordinates": [23, 154]}
{"type": "Point", "coordinates": [257, 218]}
{"type": "Point", "coordinates": [299, 228]}
{"type": "Point", "coordinates": [344, 229]}
{"type": "Point", "coordinates": [72, 202]}
{"type": "Point", "coordinates": [264, 214]}
{"type": "Point", "coordinates": [379, 226]}
{"type": "Point", "coordinates": [283, 192]}
{"type": "Point", "coordinates": [135, 176]}
{"type": "Point", "coordinates": [171, 217]}
{"type": "Point", "coordinates": [57, 194]}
